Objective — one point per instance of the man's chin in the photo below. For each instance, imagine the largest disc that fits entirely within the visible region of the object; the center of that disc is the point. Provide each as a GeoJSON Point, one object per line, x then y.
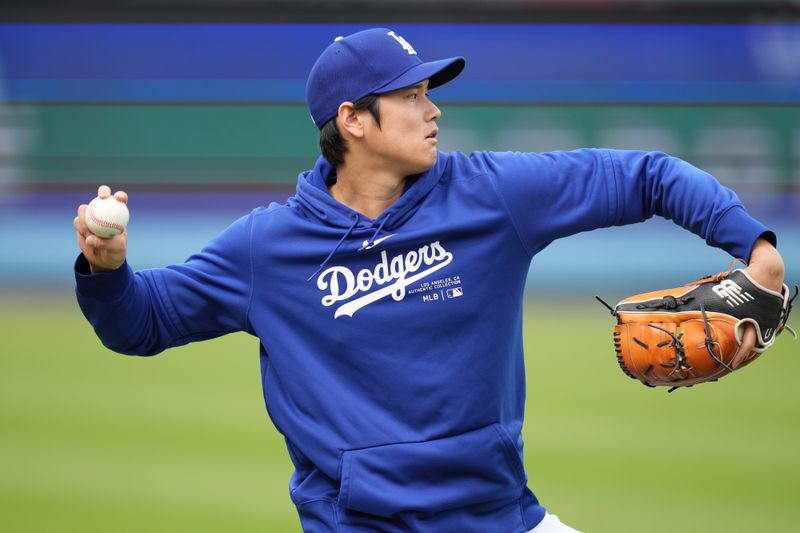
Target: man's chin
{"type": "Point", "coordinates": [423, 164]}
{"type": "Point", "coordinates": [428, 164]}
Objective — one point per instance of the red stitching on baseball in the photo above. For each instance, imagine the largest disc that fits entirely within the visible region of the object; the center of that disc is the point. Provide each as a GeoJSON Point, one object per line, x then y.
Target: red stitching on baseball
{"type": "Point", "coordinates": [105, 223]}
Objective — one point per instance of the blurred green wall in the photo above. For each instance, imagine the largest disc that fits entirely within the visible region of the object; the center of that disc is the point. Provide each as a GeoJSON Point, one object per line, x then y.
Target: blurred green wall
{"type": "Point", "coordinates": [270, 144]}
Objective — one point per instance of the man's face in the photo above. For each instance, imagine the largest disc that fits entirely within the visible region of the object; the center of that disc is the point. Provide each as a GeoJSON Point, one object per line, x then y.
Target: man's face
{"type": "Point", "coordinates": [406, 138]}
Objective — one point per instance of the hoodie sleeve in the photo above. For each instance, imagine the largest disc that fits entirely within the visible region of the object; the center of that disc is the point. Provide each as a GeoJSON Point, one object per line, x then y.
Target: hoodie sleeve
{"type": "Point", "coordinates": [557, 194]}
{"type": "Point", "coordinates": [145, 312]}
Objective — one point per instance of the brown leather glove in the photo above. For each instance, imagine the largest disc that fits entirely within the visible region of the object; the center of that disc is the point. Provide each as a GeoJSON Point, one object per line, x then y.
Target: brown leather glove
{"type": "Point", "coordinates": [687, 335]}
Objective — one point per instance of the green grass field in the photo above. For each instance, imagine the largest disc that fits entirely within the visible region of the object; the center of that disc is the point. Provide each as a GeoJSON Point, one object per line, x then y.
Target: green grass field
{"type": "Point", "coordinates": [94, 441]}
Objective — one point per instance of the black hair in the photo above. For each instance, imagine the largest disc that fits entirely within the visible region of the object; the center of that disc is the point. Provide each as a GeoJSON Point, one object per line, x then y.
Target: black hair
{"type": "Point", "coordinates": [331, 142]}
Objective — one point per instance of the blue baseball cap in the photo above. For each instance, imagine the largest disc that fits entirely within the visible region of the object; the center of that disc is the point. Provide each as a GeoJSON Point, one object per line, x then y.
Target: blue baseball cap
{"type": "Point", "coordinates": [374, 61]}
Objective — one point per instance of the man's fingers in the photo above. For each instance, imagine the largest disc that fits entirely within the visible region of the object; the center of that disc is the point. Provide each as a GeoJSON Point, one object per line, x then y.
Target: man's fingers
{"type": "Point", "coordinates": [104, 191]}
{"type": "Point", "coordinates": [79, 221]}
{"type": "Point", "coordinates": [745, 349]}
{"type": "Point", "coordinates": [98, 243]}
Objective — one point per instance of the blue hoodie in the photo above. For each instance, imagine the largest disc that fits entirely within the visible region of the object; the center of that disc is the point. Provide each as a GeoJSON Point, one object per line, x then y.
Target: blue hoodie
{"type": "Point", "coordinates": [391, 349]}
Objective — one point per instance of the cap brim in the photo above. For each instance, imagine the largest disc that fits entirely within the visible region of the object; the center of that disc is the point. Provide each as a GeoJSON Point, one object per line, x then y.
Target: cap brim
{"type": "Point", "coordinates": [436, 72]}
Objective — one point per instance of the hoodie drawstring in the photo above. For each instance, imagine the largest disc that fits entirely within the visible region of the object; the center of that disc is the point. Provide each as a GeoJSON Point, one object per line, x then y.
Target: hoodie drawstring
{"type": "Point", "coordinates": [371, 240]}
{"type": "Point", "coordinates": [344, 238]}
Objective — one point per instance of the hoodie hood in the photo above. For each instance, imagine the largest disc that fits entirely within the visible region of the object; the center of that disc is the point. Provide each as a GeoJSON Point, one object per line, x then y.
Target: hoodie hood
{"type": "Point", "coordinates": [314, 198]}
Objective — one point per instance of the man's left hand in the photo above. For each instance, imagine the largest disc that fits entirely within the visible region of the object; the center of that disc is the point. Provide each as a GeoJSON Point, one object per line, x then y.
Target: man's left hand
{"type": "Point", "coordinates": [767, 269]}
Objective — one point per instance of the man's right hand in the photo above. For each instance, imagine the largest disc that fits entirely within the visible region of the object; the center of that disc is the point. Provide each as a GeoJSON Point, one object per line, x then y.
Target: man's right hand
{"type": "Point", "coordinates": [103, 254]}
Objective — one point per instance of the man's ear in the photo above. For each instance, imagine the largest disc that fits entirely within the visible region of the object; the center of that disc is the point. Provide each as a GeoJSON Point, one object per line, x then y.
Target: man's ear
{"type": "Point", "coordinates": [350, 120]}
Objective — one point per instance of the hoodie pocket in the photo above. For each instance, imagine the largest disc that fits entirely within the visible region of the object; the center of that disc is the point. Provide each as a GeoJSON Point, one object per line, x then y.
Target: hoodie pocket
{"type": "Point", "coordinates": [432, 476]}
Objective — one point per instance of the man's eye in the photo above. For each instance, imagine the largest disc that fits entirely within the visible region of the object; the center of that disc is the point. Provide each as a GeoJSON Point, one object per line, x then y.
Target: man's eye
{"type": "Point", "coordinates": [413, 96]}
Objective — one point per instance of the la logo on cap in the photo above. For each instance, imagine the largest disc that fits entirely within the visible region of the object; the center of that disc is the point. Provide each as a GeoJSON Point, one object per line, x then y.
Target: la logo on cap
{"type": "Point", "coordinates": [405, 44]}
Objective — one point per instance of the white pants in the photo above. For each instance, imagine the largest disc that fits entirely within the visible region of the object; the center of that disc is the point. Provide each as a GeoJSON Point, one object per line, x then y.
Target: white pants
{"type": "Point", "coordinates": [551, 524]}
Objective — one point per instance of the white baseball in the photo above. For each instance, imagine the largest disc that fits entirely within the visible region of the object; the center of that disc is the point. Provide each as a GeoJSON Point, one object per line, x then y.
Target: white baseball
{"type": "Point", "coordinates": [106, 217]}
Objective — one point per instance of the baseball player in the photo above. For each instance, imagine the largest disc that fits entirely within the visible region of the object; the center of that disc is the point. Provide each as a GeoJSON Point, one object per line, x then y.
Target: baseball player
{"type": "Point", "coordinates": [387, 294]}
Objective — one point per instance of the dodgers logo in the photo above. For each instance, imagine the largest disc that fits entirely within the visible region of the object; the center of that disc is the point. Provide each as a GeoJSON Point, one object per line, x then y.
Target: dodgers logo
{"type": "Point", "coordinates": [405, 44]}
{"type": "Point", "coordinates": [388, 277]}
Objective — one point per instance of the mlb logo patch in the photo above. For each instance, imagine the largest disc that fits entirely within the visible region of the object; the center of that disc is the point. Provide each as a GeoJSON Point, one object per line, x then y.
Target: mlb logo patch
{"type": "Point", "coordinates": [455, 292]}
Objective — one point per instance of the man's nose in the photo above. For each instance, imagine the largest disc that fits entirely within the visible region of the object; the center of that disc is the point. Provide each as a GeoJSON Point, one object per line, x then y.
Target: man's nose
{"type": "Point", "coordinates": [435, 112]}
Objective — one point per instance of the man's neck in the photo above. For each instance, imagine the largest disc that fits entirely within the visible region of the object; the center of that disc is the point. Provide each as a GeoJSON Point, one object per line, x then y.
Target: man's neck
{"type": "Point", "coordinates": [367, 191]}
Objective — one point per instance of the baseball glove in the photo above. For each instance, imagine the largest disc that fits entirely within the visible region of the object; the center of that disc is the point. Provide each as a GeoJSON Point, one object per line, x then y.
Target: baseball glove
{"type": "Point", "coordinates": [688, 335]}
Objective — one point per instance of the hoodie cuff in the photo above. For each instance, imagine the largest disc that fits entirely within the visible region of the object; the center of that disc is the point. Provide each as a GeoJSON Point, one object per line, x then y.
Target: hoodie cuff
{"type": "Point", "coordinates": [737, 232]}
{"type": "Point", "coordinates": [104, 286]}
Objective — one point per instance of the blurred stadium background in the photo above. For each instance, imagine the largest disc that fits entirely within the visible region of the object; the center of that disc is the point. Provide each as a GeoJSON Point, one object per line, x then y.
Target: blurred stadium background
{"type": "Point", "coordinates": [196, 109]}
